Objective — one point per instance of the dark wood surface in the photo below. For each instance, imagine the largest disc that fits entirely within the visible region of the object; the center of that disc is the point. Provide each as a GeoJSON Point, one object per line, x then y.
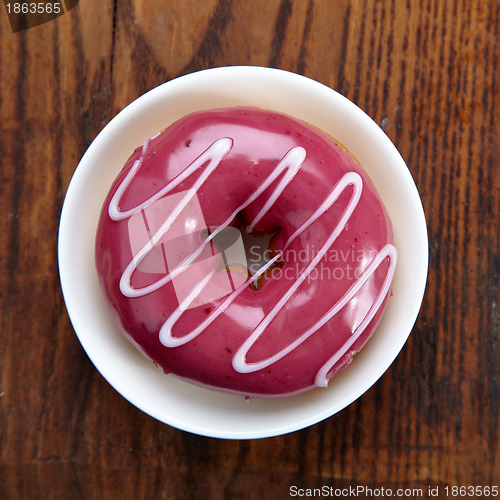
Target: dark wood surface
{"type": "Point", "coordinates": [428, 72]}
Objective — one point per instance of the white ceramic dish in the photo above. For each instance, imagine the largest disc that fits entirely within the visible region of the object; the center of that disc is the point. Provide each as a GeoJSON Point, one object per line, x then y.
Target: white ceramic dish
{"type": "Point", "coordinates": [178, 403]}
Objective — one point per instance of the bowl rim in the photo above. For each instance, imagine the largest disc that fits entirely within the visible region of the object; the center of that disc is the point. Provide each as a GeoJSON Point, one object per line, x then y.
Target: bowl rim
{"type": "Point", "coordinates": [134, 117]}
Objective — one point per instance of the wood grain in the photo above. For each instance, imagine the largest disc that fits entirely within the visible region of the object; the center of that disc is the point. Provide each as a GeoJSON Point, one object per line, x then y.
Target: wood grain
{"type": "Point", "coordinates": [428, 72]}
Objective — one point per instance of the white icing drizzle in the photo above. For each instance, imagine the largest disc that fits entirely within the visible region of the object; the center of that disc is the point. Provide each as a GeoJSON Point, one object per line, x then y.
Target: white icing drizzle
{"type": "Point", "coordinates": [290, 165]}
{"type": "Point", "coordinates": [387, 251]}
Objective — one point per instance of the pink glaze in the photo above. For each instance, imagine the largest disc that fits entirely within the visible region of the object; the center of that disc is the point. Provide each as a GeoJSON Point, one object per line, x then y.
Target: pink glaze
{"type": "Point", "coordinates": [331, 254]}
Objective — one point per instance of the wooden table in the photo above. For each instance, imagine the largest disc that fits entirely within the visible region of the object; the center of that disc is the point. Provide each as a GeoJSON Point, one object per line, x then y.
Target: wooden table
{"type": "Point", "coordinates": [428, 72]}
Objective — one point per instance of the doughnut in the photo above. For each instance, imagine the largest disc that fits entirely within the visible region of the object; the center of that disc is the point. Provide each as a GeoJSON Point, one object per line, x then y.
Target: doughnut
{"type": "Point", "coordinates": [246, 251]}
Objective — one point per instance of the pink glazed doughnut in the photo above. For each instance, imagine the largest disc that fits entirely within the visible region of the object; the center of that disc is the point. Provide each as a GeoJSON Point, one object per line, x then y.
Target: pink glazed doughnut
{"type": "Point", "coordinates": [245, 251]}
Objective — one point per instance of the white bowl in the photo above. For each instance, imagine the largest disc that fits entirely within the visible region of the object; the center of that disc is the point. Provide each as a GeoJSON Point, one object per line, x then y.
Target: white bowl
{"type": "Point", "coordinates": [178, 403]}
